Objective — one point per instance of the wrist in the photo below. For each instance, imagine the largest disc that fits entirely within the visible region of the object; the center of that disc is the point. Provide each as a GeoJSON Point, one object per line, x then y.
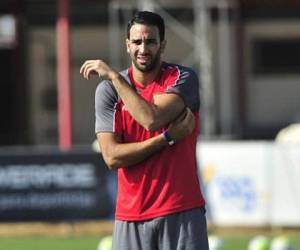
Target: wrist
{"type": "Point", "coordinates": [114, 75]}
{"type": "Point", "coordinates": [168, 138]}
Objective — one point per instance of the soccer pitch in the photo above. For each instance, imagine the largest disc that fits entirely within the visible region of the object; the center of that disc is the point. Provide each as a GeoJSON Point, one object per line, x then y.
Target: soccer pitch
{"type": "Point", "coordinates": [50, 243]}
{"type": "Point", "coordinates": [91, 243]}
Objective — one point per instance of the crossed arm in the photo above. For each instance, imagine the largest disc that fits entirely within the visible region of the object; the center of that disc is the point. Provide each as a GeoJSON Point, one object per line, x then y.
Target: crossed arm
{"type": "Point", "coordinates": [152, 116]}
{"type": "Point", "coordinates": [166, 109]}
{"type": "Point", "coordinates": [117, 154]}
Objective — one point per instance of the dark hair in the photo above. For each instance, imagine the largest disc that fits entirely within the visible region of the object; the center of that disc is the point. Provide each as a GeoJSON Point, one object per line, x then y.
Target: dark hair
{"type": "Point", "coordinates": [148, 18]}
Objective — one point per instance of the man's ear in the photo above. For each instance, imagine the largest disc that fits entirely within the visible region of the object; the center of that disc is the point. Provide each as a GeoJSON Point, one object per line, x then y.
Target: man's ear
{"type": "Point", "coordinates": [163, 45]}
{"type": "Point", "coordinates": [127, 45]}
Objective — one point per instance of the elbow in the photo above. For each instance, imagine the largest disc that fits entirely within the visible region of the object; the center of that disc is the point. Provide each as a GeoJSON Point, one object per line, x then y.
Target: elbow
{"type": "Point", "coordinates": [111, 163]}
{"type": "Point", "coordinates": [110, 158]}
{"type": "Point", "coordinates": [112, 166]}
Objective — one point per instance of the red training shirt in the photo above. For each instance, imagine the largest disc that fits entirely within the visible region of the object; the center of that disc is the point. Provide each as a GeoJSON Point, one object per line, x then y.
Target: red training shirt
{"type": "Point", "coordinates": [167, 181]}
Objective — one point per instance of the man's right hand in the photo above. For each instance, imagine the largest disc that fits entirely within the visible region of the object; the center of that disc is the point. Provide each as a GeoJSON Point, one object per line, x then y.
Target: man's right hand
{"type": "Point", "coordinates": [91, 67]}
{"type": "Point", "coordinates": [182, 126]}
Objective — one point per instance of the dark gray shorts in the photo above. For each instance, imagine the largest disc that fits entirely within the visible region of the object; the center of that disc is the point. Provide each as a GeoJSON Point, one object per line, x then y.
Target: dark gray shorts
{"type": "Point", "coordinates": [180, 231]}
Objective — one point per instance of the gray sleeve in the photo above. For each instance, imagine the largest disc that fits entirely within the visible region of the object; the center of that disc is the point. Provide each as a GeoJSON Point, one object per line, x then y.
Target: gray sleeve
{"type": "Point", "coordinates": [106, 99]}
{"type": "Point", "coordinates": [187, 86]}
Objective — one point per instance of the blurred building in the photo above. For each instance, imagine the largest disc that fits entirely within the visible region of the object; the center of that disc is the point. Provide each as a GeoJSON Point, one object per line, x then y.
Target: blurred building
{"type": "Point", "coordinates": [247, 50]}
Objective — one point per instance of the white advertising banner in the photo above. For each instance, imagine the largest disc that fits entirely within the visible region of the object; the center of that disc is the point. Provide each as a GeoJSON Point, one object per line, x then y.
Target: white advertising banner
{"type": "Point", "coordinates": [251, 183]}
{"type": "Point", "coordinates": [285, 174]}
{"type": "Point", "coordinates": [236, 182]}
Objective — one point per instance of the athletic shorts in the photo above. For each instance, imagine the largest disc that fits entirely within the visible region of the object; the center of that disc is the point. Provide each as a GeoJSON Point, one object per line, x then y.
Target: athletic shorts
{"type": "Point", "coordinates": [180, 231]}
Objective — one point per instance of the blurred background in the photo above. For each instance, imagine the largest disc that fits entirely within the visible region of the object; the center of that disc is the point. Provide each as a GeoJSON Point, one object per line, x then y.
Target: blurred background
{"type": "Point", "coordinates": [247, 56]}
{"type": "Point", "coordinates": [247, 52]}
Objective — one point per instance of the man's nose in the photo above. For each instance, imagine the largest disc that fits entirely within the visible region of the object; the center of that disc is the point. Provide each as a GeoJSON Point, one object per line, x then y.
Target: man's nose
{"type": "Point", "coordinates": [143, 47]}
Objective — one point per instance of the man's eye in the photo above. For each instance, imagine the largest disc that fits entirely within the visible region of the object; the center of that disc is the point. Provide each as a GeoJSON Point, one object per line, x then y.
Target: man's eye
{"type": "Point", "coordinates": [148, 42]}
{"type": "Point", "coordinates": [151, 41]}
{"type": "Point", "coordinates": [137, 42]}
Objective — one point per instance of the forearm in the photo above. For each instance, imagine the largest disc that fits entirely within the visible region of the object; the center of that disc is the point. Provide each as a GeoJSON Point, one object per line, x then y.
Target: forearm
{"type": "Point", "coordinates": [144, 112]}
{"type": "Point", "coordinates": [119, 154]}
{"type": "Point", "coordinates": [153, 114]}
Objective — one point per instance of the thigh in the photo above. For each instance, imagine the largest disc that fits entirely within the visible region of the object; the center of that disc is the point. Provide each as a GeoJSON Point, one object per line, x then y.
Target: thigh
{"type": "Point", "coordinates": [133, 236]}
{"type": "Point", "coordinates": [184, 231]}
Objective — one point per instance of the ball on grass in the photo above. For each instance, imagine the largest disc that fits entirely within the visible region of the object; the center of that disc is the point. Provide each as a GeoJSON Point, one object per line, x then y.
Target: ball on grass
{"type": "Point", "coordinates": [259, 242]}
{"type": "Point", "coordinates": [215, 242]}
{"type": "Point", "coordinates": [280, 243]}
{"type": "Point", "coordinates": [105, 243]}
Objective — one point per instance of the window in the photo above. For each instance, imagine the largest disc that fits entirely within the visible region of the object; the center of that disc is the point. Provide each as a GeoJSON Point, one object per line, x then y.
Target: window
{"type": "Point", "coordinates": [272, 56]}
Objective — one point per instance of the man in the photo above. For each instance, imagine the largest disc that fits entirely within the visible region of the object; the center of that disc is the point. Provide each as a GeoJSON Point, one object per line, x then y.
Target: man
{"type": "Point", "coordinates": [147, 127]}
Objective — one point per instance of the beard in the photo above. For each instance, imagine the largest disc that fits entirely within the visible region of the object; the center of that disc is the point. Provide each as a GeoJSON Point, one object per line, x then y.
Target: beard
{"type": "Point", "coordinates": [148, 67]}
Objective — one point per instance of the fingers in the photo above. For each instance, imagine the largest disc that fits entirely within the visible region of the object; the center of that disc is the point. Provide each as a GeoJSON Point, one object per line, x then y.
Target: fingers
{"type": "Point", "coordinates": [84, 68]}
{"type": "Point", "coordinates": [189, 115]}
{"type": "Point", "coordinates": [89, 67]}
{"type": "Point", "coordinates": [188, 121]}
{"type": "Point", "coordinates": [181, 117]}
{"type": "Point", "coordinates": [185, 116]}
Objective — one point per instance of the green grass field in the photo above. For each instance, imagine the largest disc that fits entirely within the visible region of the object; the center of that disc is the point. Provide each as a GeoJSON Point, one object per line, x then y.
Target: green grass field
{"type": "Point", "coordinates": [91, 242]}
{"type": "Point", "coordinates": [49, 243]}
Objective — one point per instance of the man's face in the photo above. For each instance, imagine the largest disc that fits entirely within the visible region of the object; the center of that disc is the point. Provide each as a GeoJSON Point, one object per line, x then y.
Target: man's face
{"type": "Point", "coordinates": [144, 47]}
